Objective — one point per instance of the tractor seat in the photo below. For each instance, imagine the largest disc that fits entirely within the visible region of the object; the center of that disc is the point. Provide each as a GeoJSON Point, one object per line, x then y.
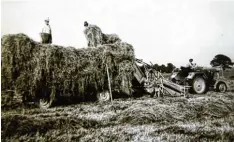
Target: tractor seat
{"type": "Point", "coordinates": [186, 69]}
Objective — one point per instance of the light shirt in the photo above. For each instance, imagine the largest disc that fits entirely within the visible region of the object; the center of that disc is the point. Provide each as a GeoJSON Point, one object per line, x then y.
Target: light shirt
{"type": "Point", "coordinates": [191, 65]}
{"type": "Point", "coordinates": [46, 29]}
{"type": "Point", "coordinates": [93, 27]}
{"type": "Point", "coordinates": [93, 35]}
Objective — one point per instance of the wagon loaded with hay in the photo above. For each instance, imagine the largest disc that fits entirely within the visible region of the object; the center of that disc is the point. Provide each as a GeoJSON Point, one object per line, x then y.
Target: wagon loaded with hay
{"type": "Point", "coordinates": [44, 73]}
{"type": "Point", "coordinates": [32, 71]}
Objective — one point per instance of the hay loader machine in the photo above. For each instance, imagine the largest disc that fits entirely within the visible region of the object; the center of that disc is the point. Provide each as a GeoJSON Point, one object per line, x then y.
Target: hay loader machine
{"type": "Point", "coordinates": [154, 83]}
{"type": "Point", "coordinates": [149, 81]}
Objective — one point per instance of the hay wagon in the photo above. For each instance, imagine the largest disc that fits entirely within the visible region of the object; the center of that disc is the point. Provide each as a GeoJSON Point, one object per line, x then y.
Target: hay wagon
{"type": "Point", "coordinates": [44, 73]}
{"type": "Point", "coordinates": [148, 81]}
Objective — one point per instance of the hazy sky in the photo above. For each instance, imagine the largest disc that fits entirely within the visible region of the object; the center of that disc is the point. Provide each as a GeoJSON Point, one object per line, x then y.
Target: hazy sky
{"type": "Point", "coordinates": [161, 31]}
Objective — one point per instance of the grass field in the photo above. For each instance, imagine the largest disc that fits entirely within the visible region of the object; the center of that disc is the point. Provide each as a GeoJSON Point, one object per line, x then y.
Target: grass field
{"type": "Point", "coordinates": [229, 73]}
{"type": "Point", "coordinates": [208, 117]}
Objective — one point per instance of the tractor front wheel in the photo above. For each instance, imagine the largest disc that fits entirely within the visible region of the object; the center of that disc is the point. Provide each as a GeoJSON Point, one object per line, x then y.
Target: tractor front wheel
{"type": "Point", "coordinates": [221, 87]}
{"type": "Point", "coordinates": [199, 85]}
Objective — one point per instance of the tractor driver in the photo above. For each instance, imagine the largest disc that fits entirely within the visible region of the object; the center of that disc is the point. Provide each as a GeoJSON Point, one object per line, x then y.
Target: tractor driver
{"type": "Point", "coordinates": [191, 65]}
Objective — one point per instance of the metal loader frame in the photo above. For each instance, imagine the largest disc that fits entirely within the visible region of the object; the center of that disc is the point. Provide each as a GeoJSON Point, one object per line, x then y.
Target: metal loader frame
{"type": "Point", "coordinates": [154, 82]}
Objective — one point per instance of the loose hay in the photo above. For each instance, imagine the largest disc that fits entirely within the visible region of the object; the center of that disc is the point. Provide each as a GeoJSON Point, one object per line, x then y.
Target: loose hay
{"type": "Point", "coordinates": [95, 37]}
{"type": "Point", "coordinates": [31, 70]}
{"type": "Point", "coordinates": [142, 119]}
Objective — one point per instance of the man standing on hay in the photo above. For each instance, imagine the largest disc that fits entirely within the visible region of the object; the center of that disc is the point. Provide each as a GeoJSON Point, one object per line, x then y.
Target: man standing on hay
{"type": "Point", "coordinates": [93, 34]}
{"type": "Point", "coordinates": [46, 35]}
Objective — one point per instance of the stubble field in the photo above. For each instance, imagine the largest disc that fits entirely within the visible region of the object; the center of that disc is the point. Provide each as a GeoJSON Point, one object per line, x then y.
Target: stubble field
{"type": "Point", "coordinates": [208, 117]}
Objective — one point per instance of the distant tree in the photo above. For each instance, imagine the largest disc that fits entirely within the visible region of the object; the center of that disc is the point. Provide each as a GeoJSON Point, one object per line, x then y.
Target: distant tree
{"type": "Point", "coordinates": [176, 70]}
{"type": "Point", "coordinates": [170, 67]}
{"type": "Point", "coordinates": [221, 60]}
{"type": "Point", "coordinates": [156, 67]}
{"type": "Point", "coordinates": [163, 68]}
{"type": "Point", "coordinates": [167, 69]}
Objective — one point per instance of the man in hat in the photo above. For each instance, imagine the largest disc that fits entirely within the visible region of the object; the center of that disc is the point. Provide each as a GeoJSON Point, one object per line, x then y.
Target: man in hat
{"type": "Point", "coordinates": [93, 34]}
{"type": "Point", "coordinates": [46, 34]}
{"type": "Point", "coordinates": [191, 64]}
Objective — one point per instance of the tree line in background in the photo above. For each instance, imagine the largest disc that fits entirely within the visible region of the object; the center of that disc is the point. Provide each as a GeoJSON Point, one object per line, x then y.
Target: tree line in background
{"type": "Point", "coordinates": [222, 60]}
{"type": "Point", "coordinates": [219, 60]}
{"type": "Point", "coordinates": [164, 68]}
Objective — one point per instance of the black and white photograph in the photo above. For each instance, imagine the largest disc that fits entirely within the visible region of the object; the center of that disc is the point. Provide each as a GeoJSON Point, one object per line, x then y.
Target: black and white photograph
{"type": "Point", "coordinates": [117, 70]}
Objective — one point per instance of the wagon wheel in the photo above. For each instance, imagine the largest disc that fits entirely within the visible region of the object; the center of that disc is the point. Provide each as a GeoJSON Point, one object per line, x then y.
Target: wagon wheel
{"type": "Point", "coordinates": [44, 102]}
{"type": "Point", "coordinates": [103, 96]}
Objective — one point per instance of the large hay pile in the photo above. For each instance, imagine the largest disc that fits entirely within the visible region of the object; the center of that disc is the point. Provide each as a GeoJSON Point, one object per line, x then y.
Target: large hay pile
{"type": "Point", "coordinates": [31, 69]}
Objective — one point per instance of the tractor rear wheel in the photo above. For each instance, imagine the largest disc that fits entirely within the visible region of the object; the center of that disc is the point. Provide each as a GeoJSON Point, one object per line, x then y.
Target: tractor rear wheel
{"type": "Point", "coordinates": [221, 87]}
{"type": "Point", "coordinates": [199, 85]}
{"type": "Point", "coordinates": [103, 96]}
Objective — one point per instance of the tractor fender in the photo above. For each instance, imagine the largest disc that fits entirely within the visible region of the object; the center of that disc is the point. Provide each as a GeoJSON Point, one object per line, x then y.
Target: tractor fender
{"type": "Point", "coordinates": [192, 75]}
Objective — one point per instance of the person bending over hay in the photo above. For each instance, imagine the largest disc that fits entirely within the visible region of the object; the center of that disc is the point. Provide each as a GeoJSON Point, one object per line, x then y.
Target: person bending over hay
{"type": "Point", "coordinates": [95, 37]}
{"type": "Point", "coordinates": [93, 34]}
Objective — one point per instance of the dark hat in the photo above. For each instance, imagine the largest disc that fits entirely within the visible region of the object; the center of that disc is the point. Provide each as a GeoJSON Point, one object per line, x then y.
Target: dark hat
{"type": "Point", "coordinates": [190, 60]}
{"type": "Point", "coordinates": [86, 23]}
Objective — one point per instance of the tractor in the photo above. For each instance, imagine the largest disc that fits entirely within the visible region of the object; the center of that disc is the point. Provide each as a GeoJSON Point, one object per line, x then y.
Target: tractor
{"type": "Point", "coordinates": [200, 79]}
